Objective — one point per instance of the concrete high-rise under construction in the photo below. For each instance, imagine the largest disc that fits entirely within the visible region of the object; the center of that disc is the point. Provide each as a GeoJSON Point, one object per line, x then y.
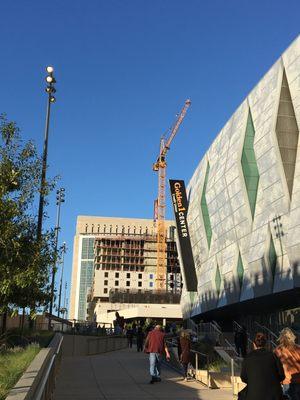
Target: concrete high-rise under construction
{"type": "Point", "coordinates": [114, 259]}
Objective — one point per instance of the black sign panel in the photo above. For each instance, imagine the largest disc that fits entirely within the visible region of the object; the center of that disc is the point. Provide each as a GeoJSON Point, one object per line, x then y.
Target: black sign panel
{"type": "Point", "coordinates": [180, 206]}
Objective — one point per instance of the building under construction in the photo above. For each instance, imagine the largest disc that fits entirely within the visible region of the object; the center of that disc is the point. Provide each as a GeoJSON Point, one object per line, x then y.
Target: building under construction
{"type": "Point", "coordinates": [115, 263]}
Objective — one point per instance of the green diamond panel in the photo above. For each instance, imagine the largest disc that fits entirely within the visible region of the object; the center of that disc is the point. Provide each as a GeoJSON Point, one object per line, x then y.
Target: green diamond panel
{"type": "Point", "coordinates": [249, 166]}
{"type": "Point", "coordinates": [272, 257]}
{"type": "Point", "coordinates": [204, 209]}
{"type": "Point", "coordinates": [287, 133]}
{"type": "Point", "coordinates": [240, 271]}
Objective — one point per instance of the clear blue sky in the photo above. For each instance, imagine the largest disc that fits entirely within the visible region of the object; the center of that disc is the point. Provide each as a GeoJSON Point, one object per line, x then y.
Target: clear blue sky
{"type": "Point", "coordinates": [123, 69]}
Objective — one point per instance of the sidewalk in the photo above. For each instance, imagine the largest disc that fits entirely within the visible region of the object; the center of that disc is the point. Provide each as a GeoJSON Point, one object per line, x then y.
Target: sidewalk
{"type": "Point", "coordinates": [124, 375]}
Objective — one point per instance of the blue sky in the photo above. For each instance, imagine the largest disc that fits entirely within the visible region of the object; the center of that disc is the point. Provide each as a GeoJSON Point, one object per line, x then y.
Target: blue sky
{"type": "Point", "coordinates": [124, 69]}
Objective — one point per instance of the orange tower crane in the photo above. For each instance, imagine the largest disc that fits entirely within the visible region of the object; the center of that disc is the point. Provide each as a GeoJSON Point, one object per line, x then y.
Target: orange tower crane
{"type": "Point", "coordinates": [160, 203]}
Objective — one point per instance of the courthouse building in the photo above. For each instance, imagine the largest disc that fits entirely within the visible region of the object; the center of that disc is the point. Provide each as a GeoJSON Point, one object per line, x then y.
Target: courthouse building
{"type": "Point", "coordinates": [244, 205]}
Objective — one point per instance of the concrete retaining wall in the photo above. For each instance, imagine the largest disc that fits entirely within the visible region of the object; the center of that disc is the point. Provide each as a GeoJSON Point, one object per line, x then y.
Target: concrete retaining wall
{"type": "Point", "coordinates": [28, 384]}
{"type": "Point", "coordinates": [79, 345]}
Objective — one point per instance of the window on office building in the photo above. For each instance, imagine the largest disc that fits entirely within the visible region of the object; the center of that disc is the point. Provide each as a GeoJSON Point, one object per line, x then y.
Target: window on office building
{"type": "Point", "coordinates": [117, 274]}
{"type": "Point", "coordinates": [128, 275]}
{"type": "Point", "coordinates": [127, 283]}
{"type": "Point", "coordinates": [105, 274]}
{"type": "Point", "coordinates": [151, 284]}
{"type": "Point", "coordinates": [139, 284]}
{"type": "Point", "coordinates": [151, 276]}
{"type": "Point", "coordinates": [105, 290]}
{"type": "Point", "coordinates": [116, 283]}
{"type": "Point", "coordinates": [105, 283]}
{"type": "Point", "coordinates": [87, 251]}
{"type": "Point", "coordinates": [140, 276]}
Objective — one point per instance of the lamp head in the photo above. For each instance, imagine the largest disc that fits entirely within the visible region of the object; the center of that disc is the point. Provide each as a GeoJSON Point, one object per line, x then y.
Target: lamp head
{"type": "Point", "coordinates": [50, 69]}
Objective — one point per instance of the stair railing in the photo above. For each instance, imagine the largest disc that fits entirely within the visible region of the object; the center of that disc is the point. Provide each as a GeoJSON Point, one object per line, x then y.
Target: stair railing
{"type": "Point", "coordinates": [198, 354]}
{"type": "Point", "coordinates": [231, 347]}
{"type": "Point", "coordinates": [236, 326]}
{"type": "Point", "coordinates": [271, 336]}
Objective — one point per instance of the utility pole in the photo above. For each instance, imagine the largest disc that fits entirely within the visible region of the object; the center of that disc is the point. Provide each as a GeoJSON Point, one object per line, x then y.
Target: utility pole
{"type": "Point", "coordinates": [60, 198]}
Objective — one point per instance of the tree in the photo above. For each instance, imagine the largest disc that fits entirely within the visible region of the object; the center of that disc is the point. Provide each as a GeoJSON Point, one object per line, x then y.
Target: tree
{"type": "Point", "coordinates": [24, 261]}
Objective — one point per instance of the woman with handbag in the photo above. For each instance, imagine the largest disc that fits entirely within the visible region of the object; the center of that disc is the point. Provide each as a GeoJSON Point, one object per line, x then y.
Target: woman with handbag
{"type": "Point", "coordinates": [263, 373]}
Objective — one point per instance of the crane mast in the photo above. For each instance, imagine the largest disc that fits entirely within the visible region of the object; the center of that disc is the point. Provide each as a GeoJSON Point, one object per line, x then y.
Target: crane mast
{"type": "Point", "coordinates": [160, 166]}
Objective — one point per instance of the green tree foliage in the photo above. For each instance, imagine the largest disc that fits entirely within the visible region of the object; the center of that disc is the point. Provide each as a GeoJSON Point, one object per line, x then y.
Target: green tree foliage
{"type": "Point", "coordinates": [24, 261]}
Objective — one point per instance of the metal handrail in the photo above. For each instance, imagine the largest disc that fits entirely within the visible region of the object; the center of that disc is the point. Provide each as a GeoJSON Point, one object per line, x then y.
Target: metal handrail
{"type": "Point", "coordinates": [171, 343]}
{"type": "Point", "coordinates": [266, 329]}
{"type": "Point", "coordinates": [41, 392]}
{"type": "Point", "coordinates": [197, 353]}
{"type": "Point", "coordinates": [231, 346]}
{"type": "Point", "coordinates": [216, 327]}
{"type": "Point", "coordinates": [271, 333]}
{"type": "Point", "coordinates": [233, 362]}
{"type": "Point", "coordinates": [235, 325]}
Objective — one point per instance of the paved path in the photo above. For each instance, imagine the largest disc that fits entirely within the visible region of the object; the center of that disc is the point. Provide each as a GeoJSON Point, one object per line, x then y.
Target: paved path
{"type": "Point", "coordinates": [124, 375]}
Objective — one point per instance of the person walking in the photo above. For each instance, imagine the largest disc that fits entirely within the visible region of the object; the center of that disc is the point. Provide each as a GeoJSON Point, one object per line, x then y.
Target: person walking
{"type": "Point", "coordinates": [129, 335]}
{"type": "Point", "coordinates": [155, 345]}
{"type": "Point", "coordinates": [185, 356]}
{"type": "Point", "coordinates": [289, 354]}
{"type": "Point", "coordinates": [262, 371]}
{"type": "Point", "coordinates": [139, 339]}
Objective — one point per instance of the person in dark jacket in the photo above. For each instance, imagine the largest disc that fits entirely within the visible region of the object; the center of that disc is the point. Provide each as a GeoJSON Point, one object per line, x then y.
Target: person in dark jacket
{"type": "Point", "coordinates": [262, 371]}
{"type": "Point", "coordinates": [241, 341]}
{"type": "Point", "coordinates": [129, 335]}
{"type": "Point", "coordinates": [185, 356]}
{"type": "Point", "coordinates": [140, 339]}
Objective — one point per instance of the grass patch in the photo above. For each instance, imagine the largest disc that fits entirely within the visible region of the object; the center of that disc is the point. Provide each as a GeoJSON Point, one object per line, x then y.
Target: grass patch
{"type": "Point", "coordinates": [13, 363]}
{"type": "Point", "coordinates": [217, 365]}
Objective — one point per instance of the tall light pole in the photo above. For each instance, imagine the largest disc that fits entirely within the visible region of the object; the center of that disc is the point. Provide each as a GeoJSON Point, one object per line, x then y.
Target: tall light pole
{"type": "Point", "coordinates": [60, 198]}
{"type": "Point", "coordinates": [50, 89]}
{"type": "Point", "coordinates": [64, 249]}
{"type": "Point", "coordinates": [65, 308]}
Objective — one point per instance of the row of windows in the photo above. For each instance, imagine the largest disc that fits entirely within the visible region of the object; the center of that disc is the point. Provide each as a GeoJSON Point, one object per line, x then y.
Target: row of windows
{"type": "Point", "coordinates": [105, 290]}
{"type": "Point", "coordinates": [140, 283]}
{"type": "Point", "coordinates": [118, 267]}
{"type": "Point", "coordinates": [117, 275]}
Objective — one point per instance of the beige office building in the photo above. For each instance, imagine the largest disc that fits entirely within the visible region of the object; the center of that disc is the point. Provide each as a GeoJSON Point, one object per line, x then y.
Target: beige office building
{"type": "Point", "coordinates": [114, 258]}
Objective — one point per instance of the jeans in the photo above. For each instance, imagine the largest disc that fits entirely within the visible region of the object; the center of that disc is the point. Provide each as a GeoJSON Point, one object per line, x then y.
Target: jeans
{"type": "Point", "coordinates": [292, 391]}
{"type": "Point", "coordinates": [155, 364]}
{"type": "Point", "coordinates": [185, 369]}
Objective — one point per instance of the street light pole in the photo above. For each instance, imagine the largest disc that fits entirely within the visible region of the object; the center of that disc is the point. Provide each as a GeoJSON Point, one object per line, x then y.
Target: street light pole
{"type": "Point", "coordinates": [60, 198]}
{"type": "Point", "coordinates": [65, 309]}
{"type": "Point", "coordinates": [64, 249]}
{"type": "Point", "coordinates": [50, 89]}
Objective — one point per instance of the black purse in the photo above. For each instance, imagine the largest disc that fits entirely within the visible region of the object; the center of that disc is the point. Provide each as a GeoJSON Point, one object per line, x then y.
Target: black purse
{"type": "Point", "coordinates": [242, 394]}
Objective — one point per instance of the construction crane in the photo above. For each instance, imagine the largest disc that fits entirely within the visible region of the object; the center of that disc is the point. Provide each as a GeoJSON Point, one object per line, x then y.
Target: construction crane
{"type": "Point", "coordinates": [160, 203]}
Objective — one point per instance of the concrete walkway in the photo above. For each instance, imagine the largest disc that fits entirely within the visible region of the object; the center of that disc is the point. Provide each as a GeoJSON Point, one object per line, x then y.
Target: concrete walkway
{"type": "Point", "coordinates": [124, 375]}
